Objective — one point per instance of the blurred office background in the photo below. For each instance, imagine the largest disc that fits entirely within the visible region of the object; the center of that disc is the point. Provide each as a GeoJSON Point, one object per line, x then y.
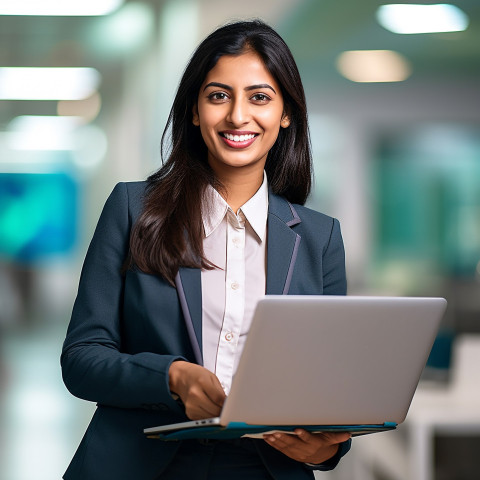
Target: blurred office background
{"type": "Point", "coordinates": [395, 127]}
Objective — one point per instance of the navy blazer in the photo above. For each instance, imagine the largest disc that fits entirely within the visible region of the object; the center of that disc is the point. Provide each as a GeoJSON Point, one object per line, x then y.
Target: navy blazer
{"type": "Point", "coordinates": [126, 330]}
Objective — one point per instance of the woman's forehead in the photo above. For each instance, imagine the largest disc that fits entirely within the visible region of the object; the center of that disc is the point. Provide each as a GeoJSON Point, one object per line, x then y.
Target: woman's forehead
{"type": "Point", "coordinates": [236, 70]}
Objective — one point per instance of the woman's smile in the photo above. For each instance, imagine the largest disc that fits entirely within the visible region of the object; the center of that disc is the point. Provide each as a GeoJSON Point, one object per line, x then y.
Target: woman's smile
{"type": "Point", "coordinates": [238, 138]}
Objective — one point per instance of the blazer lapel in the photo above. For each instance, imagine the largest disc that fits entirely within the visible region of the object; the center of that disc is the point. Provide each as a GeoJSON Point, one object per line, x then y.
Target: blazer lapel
{"type": "Point", "coordinates": [282, 245]}
{"type": "Point", "coordinates": [189, 287]}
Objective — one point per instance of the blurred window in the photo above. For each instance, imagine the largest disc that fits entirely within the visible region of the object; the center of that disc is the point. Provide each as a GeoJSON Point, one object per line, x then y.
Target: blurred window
{"type": "Point", "coordinates": [428, 198]}
{"type": "Point", "coordinates": [38, 215]}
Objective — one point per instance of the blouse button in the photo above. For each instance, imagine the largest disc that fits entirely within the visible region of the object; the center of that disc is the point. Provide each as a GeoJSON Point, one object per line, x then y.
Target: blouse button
{"type": "Point", "coordinates": [229, 336]}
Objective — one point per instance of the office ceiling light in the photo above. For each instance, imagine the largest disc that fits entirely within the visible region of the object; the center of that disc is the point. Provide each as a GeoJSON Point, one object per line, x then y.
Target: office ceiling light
{"type": "Point", "coordinates": [41, 144]}
{"type": "Point", "coordinates": [27, 133]}
{"type": "Point", "coordinates": [59, 7]}
{"type": "Point", "coordinates": [415, 18]}
{"type": "Point", "coordinates": [369, 66]}
{"type": "Point", "coordinates": [31, 83]}
{"type": "Point", "coordinates": [38, 132]}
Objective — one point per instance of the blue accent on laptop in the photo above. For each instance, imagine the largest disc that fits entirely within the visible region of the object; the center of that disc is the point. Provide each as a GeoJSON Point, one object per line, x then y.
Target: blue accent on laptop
{"type": "Point", "coordinates": [239, 429]}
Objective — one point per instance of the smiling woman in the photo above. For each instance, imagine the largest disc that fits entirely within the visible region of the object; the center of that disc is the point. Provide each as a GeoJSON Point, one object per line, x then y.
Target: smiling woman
{"type": "Point", "coordinates": [177, 264]}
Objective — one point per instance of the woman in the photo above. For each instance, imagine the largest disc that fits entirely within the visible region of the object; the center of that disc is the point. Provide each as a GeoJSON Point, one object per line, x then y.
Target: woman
{"type": "Point", "coordinates": [177, 264]}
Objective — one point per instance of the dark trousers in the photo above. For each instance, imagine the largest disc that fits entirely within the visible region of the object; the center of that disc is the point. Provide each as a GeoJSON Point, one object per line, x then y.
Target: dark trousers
{"type": "Point", "coordinates": [216, 460]}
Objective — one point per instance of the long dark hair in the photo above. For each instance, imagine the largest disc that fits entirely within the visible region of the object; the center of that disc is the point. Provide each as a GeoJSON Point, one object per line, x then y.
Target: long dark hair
{"type": "Point", "coordinates": [169, 232]}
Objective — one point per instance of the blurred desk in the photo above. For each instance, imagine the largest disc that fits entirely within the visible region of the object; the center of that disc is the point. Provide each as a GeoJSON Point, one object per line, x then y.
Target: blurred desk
{"type": "Point", "coordinates": [437, 409]}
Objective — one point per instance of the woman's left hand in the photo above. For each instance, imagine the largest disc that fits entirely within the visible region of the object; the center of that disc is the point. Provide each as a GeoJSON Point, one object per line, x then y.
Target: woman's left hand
{"type": "Point", "coordinates": [307, 447]}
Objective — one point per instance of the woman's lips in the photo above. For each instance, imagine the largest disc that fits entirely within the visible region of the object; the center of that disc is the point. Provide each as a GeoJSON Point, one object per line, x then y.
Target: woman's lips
{"type": "Point", "coordinates": [238, 139]}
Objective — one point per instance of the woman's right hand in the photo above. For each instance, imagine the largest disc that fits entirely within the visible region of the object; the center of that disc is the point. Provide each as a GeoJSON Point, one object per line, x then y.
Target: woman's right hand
{"type": "Point", "coordinates": [198, 388]}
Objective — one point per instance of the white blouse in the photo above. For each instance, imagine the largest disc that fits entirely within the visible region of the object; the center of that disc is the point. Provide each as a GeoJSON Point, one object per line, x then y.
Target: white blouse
{"type": "Point", "coordinates": [236, 243]}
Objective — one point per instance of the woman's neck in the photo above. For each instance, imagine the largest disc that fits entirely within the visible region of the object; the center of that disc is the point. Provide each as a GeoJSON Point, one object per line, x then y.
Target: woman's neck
{"type": "Point", "coordinates": [239, 187]}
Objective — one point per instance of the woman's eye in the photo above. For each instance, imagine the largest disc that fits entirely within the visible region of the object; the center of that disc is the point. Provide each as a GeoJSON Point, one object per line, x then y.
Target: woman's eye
{"type": "Point", "coordinates": [260, 98]}
{"type": "Point", "coordinates": [218, 96]}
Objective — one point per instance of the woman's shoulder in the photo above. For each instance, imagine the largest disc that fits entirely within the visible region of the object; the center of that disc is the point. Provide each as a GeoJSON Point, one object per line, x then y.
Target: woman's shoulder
{"type": "Point", "coordinates": [130, 191]}
{"type": "Point", "coordinates": [134, 188]}
{"type": "Point", "coordinates": [296, 213]}
{"type": "Point", "coordinates": [308, 214]}
{"type": "Point", "coordinates": [126, 196]}
{"type": "Point", "coordinates": [318, 227]}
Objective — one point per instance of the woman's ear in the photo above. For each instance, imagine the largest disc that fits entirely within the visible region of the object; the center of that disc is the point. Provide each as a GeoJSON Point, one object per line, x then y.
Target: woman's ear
{"type": "Point", "coordinates": [196, 118]}
{"type": "Point", "coordinates": [285, 122]}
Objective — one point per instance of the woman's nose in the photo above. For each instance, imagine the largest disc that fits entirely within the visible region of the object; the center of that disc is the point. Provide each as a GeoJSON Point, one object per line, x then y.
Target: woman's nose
{"type": "Point", "coordinates": [239, 113]}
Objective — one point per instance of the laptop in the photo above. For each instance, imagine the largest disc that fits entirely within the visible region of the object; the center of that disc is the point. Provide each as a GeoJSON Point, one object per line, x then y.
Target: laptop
{"type": "Point", "coordinates": [325, 364]}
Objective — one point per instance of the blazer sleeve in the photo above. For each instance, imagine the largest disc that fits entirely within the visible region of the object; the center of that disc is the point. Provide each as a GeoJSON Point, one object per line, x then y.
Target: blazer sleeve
{"type": "Point", "coordinates": [330, 464]}
{"type": "Point", "coordinates": [93, 365]}
{"type": "Point", "coordinates": [334, 276]}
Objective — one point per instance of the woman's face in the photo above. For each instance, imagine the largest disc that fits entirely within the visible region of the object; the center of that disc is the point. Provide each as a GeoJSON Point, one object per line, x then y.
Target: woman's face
{"type": "Point", "coordinates": [240, 112]}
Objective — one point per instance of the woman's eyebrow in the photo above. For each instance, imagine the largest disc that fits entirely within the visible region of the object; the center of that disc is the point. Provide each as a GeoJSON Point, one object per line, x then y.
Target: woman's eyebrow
{"type": "Point", "coordinates": [219, 85]}
{"type": "Point", "coordinates": [228, 87]}
{"type": "Point", "coordinates": [260, 85]}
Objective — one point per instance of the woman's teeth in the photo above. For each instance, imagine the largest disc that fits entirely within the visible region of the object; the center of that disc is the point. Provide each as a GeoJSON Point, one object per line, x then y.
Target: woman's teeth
{"type": "Point", "coordinates": [238, 138]}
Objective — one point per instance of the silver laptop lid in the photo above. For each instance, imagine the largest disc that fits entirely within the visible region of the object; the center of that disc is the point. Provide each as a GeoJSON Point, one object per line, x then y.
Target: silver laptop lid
{"type": "Point", "coordinates": [321, 360]}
